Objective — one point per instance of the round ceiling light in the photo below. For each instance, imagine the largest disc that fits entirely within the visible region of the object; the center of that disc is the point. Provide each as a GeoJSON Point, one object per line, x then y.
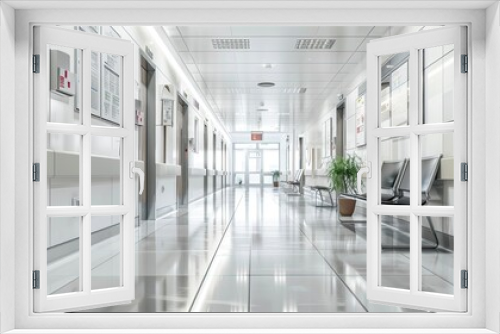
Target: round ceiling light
{"type": "Point", "coordinates": [266, 84]}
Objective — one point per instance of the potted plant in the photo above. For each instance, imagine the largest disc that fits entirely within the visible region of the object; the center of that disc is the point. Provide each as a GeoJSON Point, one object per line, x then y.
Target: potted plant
{"type": "Point", "coordinates": [343, 173]}
{"type": "Point", "coordinates": [276, 178]}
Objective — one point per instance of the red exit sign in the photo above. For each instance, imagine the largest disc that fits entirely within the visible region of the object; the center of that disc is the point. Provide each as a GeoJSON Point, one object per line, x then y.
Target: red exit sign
{"type": "Point", "coordinates": [256, 136]}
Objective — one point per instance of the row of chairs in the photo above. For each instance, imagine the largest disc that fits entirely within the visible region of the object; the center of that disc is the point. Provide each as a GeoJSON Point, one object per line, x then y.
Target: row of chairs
{"type": "Point", "coordinates": [318, 190]}
{"type": "Point", "coordinates": [395, 188]}
{"type": "Point", "coordinates": [395, 180]}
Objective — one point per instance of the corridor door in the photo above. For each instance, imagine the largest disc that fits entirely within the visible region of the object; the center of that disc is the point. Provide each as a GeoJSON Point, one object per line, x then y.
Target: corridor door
{"type": "Point", "coordinates": [417, 107]}
{"type": "Point", "coordinates": [84, 208]}
{"type": "Point", "coordinates": [254, 168]}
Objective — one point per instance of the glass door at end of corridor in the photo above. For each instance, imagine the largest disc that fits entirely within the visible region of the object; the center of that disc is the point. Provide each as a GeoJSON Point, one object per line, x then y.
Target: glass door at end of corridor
{"type": "Point", "coordinates": [84, 170]}
{"type": "Point", "coordinates": [254, 168]}
{"type": "Point", "coordinates": [416, 147]}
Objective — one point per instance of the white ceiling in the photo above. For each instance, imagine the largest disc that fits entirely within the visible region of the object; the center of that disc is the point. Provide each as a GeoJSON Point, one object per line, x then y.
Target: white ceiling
{"type": "Point", "coordinates": [229, 78]}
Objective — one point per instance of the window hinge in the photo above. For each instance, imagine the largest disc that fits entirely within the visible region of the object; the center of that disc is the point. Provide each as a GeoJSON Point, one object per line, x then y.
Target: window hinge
{"type": "Point", "coordinates": [464, 171]}
{"type": "Point", "coordinates": [465, 279]}
{"type": "Point", "coordinates": [36, 172]}
{"type": "Point", "coordinates": [36, 279]}
{"type": "Point", "coordinates": [465, 64]}
{"type": "Point", "coordinates": [36, 63]}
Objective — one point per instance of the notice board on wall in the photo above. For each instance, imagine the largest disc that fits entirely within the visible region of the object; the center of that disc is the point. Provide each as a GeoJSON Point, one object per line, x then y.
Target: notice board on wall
{"type": "Point", "coordinates": [105, 77]}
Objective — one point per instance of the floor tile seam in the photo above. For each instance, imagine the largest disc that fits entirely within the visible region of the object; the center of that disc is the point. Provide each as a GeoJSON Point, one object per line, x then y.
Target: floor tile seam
{"type": "Point", "coordinates": [340, 278]}
{"type": "Point", "coordinates": [215, 254]}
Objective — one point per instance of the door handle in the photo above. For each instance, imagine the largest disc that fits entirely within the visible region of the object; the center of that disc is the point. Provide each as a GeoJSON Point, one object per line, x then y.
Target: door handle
{"type": "Point", "coordinates": [133, 169]}
{"type": "Point", "coordinates": [364, 170]}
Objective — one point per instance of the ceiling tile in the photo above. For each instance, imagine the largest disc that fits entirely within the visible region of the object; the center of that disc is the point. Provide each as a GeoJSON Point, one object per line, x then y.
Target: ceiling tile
{"type": "Point", "coordinates": [215, 31]}
{"type": "Point", "coordinates": [293, 57]}
{"type": "Point", "coordinates": [273, 31]}
{"type": "Point", "coordinates": [179, 44]}
{"type": "Point", "coordinates": [218, 68]}
{"type": "Point", "coordinates": [354, 31]}
{"type": "Point", "coordinates": [186, 57]}
{"type": "Point", "coordinates": [284, 77]}
{"type": "Point", "coordinates": [379, 31]}
{"type": "Point", "coordinates": [171, 31]}
{"type": "Point", "coordinates": [221, 57]}
{"type": "Point", "coordinates": [220, 76]}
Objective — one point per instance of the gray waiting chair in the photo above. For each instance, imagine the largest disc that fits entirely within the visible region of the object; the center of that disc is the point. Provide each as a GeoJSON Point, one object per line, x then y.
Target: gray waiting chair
{"type": "Point", "coordinates": [391, 174]}
{"type": "Point", "coordinates": [295, 183]}
{"type": "Point", "coordinates": [430, 167]}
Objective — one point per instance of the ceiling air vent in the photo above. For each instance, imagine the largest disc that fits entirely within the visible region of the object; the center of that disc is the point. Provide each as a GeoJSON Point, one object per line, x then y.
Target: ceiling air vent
{"type": "Point", "coordinates": [314, 43]}
{"type": "Point", "coordinates": [231, 43]}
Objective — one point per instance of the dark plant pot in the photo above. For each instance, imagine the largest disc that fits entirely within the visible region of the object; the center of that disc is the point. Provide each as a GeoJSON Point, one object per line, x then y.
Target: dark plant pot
{"type": "Point", "coordinates": [346, 206]}
{"type": "Point", "coordinates": [276, 184]}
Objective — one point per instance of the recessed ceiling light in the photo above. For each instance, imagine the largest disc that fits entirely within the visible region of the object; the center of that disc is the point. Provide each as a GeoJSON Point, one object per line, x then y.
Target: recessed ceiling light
{"type": "Point", "coordinates": [266, 84]}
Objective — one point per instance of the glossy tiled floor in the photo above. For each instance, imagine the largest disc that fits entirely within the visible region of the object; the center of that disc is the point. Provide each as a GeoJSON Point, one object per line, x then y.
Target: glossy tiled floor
{"type": "Point", "coordinates": [259, 250]}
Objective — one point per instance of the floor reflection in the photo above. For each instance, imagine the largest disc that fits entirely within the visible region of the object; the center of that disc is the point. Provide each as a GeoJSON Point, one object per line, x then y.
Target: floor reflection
{"type": "Point", "coordinates": [259, 250]}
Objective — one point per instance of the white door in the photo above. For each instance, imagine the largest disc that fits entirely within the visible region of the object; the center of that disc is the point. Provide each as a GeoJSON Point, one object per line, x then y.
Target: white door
{"type": "Point", "coordinates": [417, 107]}
{"type": "Point", "coordinates": [84, 148]}
{"type": "Point", "coordinates": [254, 167]}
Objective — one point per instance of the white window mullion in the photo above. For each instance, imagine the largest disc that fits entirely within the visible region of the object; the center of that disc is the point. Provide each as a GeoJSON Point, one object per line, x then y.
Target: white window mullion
{"type": "Point", "coordinates": [415, 250]}
{"type": "Point", "coordinates": [415, 171]}
{"type": "Point", "coordinates": [85, 251]}
{"type": "Point", "coordinates": [372, 188]}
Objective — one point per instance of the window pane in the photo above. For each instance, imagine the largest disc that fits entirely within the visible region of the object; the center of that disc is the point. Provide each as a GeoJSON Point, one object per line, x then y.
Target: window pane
{"type": "Point", "coordinates": [394, 172]}
{"type": "Point", "coordinates": [254, 179]}
{"type": "Point", "coordinates": [437, 263]}
{"type": "Point", "coordinates": [63, 255]}
{"type": "Point", "coordinates": [271, 160]}
{"type": "Point", "coordinates": [106, 89]}
{"type": "Point", "coordinates": [106, 252]}
{"type": "Point", "coordinates": [269, 146]}
{"type": "Point", "coordinates": [239, 179]}
{"type": "Point", "coordinates": [239, 160]}
{"type": "Point", "coordinates": [437, 169]}
{"type": "Point", "coordinates": [245, 146]}
{"type": "Point", "coordinates": [254, 164]}
{"type": "Point", "coordinates": [394, 251]}
{"type": "Point", "coordinates": [65, 88]}
{"type": "Point", "coordinates": [394, 90]}
{"type": "Point", "coordinates": [63, 169]}
{"type": "Point", "coordinates": [106, 170]}
{"type": "Point", "coordinates": [438, 84]}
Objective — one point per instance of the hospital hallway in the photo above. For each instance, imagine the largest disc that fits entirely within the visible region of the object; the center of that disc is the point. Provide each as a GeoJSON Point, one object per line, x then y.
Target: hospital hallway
{"type": "Point", "coordinates": [263, 250]}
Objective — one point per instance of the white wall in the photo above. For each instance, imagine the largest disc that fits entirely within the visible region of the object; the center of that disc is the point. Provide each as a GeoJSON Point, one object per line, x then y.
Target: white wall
{"type": "Point", "coordinates": [492, 161]}
{"type": "Point", "coordinates": [7, 167]}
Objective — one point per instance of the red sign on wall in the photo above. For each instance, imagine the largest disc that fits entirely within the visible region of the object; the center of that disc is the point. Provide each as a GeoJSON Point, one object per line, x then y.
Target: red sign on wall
{"type": "Point", "coordinates": [256, 136]}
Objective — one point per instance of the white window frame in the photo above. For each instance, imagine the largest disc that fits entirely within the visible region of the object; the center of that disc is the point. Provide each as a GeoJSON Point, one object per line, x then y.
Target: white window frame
{"type": "Point", "coordinates": [25, 318]}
